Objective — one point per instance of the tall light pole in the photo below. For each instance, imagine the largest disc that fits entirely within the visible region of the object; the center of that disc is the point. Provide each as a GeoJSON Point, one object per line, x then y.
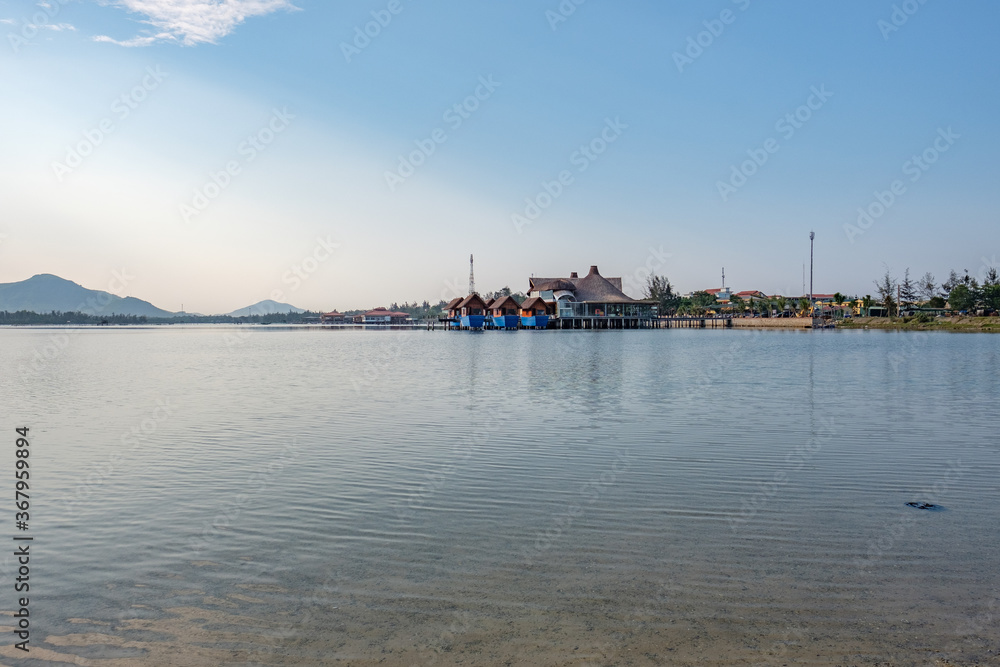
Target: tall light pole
{"type": "Point", "coordinates": [812, 308]}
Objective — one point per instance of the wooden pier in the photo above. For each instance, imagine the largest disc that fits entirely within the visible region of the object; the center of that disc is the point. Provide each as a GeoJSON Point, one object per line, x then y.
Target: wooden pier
{"type": "Point", "coordinates": [694, 322]}
{"type": "Point", "coordinates": [682, 322]}
{"type": "Point", "coordinates": [602, 323]}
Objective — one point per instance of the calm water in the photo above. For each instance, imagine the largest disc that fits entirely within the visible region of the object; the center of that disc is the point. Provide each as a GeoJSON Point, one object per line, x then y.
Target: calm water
{"type": "Point", "coordinates": [207, 496]}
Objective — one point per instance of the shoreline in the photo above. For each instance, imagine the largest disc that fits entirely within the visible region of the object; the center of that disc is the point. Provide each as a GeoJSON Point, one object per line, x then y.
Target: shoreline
{"type": "Point", "coordinates": [957, 324]}
{"type": "Point", "coordinates": [945, 324]}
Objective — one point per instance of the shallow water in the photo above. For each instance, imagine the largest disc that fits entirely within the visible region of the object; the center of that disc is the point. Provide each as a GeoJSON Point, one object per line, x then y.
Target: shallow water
{"type": "Point", "coordinates": [213, 495]}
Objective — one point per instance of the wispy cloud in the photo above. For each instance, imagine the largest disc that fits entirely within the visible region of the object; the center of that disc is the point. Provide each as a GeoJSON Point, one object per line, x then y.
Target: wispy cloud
{"type": "Point", "coordinates": [190, 22]}
{"type": "Point", "coordinates": [139, 41]}
{"type": "Point", "coordinates": [57, 27]}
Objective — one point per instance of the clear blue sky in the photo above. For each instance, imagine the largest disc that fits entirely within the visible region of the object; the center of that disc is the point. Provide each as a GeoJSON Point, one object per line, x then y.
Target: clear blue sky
{"type": "Point", "coordinates": [675, 120]}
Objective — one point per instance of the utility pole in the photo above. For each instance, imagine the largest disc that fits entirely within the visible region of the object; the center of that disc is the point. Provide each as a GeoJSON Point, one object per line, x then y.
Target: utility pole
{"type": "Point", "coordinates": [812, 307]}
{"type": "Point", "coordinates": [723, 279]}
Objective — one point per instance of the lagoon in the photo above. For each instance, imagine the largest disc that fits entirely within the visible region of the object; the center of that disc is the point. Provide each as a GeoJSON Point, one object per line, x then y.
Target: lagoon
{"type": "Point", "coordinates": [246, 495]}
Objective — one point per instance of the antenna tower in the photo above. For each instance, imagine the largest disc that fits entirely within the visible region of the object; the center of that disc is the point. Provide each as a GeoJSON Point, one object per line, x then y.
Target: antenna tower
{"type": "Point", "coordinates": [472, 277]}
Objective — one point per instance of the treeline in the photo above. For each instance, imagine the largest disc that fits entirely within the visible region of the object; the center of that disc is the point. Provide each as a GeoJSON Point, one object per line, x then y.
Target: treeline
{"type": "Point", "coordinates": [56, 317]}
{"type": "Point", "coordinates": [418, 311]}
{"type": "Point", "coordinates": [963, 293]}
{"type": "Point", "coordinates": [273, 318]}
{"type": "Point", "coordinates": [27, 317]}
{"type": "Point", "coordinates": [659, 289]}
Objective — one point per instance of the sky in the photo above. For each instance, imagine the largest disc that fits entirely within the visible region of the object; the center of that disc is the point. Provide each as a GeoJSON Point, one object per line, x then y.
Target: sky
{"type": "Point", "coordinates": [353, 154]}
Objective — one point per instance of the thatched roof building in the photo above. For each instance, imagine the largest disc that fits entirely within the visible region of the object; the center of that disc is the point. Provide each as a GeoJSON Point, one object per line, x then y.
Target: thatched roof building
{"type": "Point", "coordinates": [593, 295]}
{"type": "Point", "coordinates": [592, 287]}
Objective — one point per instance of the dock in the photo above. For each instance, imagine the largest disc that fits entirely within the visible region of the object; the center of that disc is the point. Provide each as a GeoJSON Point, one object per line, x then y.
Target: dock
{"type": "Point", "coordinates": [679, 322]}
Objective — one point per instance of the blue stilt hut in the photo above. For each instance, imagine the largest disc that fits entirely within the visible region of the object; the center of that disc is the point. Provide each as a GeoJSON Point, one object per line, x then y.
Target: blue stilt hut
{"type": "Point", "coordinates": [472, 312]}
{"type": "Point", "coordinates": [504, 312]}
{"type": "Point", "coordinates": [534, 313]}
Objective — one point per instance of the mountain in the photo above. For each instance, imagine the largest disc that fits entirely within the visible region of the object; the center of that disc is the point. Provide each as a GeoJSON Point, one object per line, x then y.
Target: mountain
{"type": "Point", "coordinates": [45, 292]}
{"type": "Point", "coordinates": [266, 307]}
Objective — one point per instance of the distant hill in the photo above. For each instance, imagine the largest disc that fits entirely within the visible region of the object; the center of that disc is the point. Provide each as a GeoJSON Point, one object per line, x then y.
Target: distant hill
{"type": "Point", "coordinates": [45, 292]}
{"type": "Point", "coordinates": [266, 307]}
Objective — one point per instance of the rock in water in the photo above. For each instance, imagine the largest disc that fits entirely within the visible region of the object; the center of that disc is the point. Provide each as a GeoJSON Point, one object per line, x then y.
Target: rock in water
{"type": "Point", "coordinates": [924, 506]}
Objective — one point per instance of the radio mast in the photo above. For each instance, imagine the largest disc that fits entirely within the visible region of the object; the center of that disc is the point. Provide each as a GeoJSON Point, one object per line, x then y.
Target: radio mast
{"type": "Point", "coordinates": [472, 278]}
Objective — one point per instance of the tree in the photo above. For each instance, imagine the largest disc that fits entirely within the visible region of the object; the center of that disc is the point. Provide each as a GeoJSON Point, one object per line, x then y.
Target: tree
{"type": "Point", "coordinates": [739, 306]}
{"type": "Point", "coordinates": [991, 277]}
{"type": "Point", "coordinates": [948, 285]}
{"type": "Point", "coordinates": [838, 300]}
{"type": "Point", "coordinates": [703, 299]}
{"type": "Point", "coordinates": [991, 296]}
{"type": "Point", "coordinates": [927, 287]}
{"type": "Point", "coordinates": [866, 304]}
{"type": "Point", "coordinates": [782, 303]}
{"type": "Point", "coordinates": [803, 306]}
{"type": "Point", "coordinates": [659, 289]}
{"type": "Point", "coordinates": [961, 298]}
{"type": "Point", "coordinates": [887, 291]}
{"type": "Point", "coordinates": [975, 292]}
{"type": "Point", "coordinates": [907, 289]}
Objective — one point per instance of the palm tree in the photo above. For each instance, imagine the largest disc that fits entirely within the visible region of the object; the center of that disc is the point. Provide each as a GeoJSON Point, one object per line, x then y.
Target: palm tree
{"type": "Point", "coordinates": [803, 306]}
{"type": "Point", "coordinates": [782, 304]}
{"type": "Point", "coordinates": [838, 300]}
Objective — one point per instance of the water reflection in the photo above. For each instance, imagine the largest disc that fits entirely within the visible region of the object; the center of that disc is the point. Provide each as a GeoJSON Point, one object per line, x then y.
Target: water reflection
{"type": "Point", "coordinates": [641, 496]}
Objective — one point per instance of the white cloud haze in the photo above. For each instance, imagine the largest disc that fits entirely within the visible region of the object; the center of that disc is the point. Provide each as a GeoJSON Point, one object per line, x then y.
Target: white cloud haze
{"type": "Point", "coordinates": [190, 22]}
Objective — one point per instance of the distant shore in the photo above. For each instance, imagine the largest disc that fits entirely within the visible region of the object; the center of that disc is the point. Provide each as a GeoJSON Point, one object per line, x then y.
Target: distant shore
{"type": "Point", "coordinates": [959, 323]}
